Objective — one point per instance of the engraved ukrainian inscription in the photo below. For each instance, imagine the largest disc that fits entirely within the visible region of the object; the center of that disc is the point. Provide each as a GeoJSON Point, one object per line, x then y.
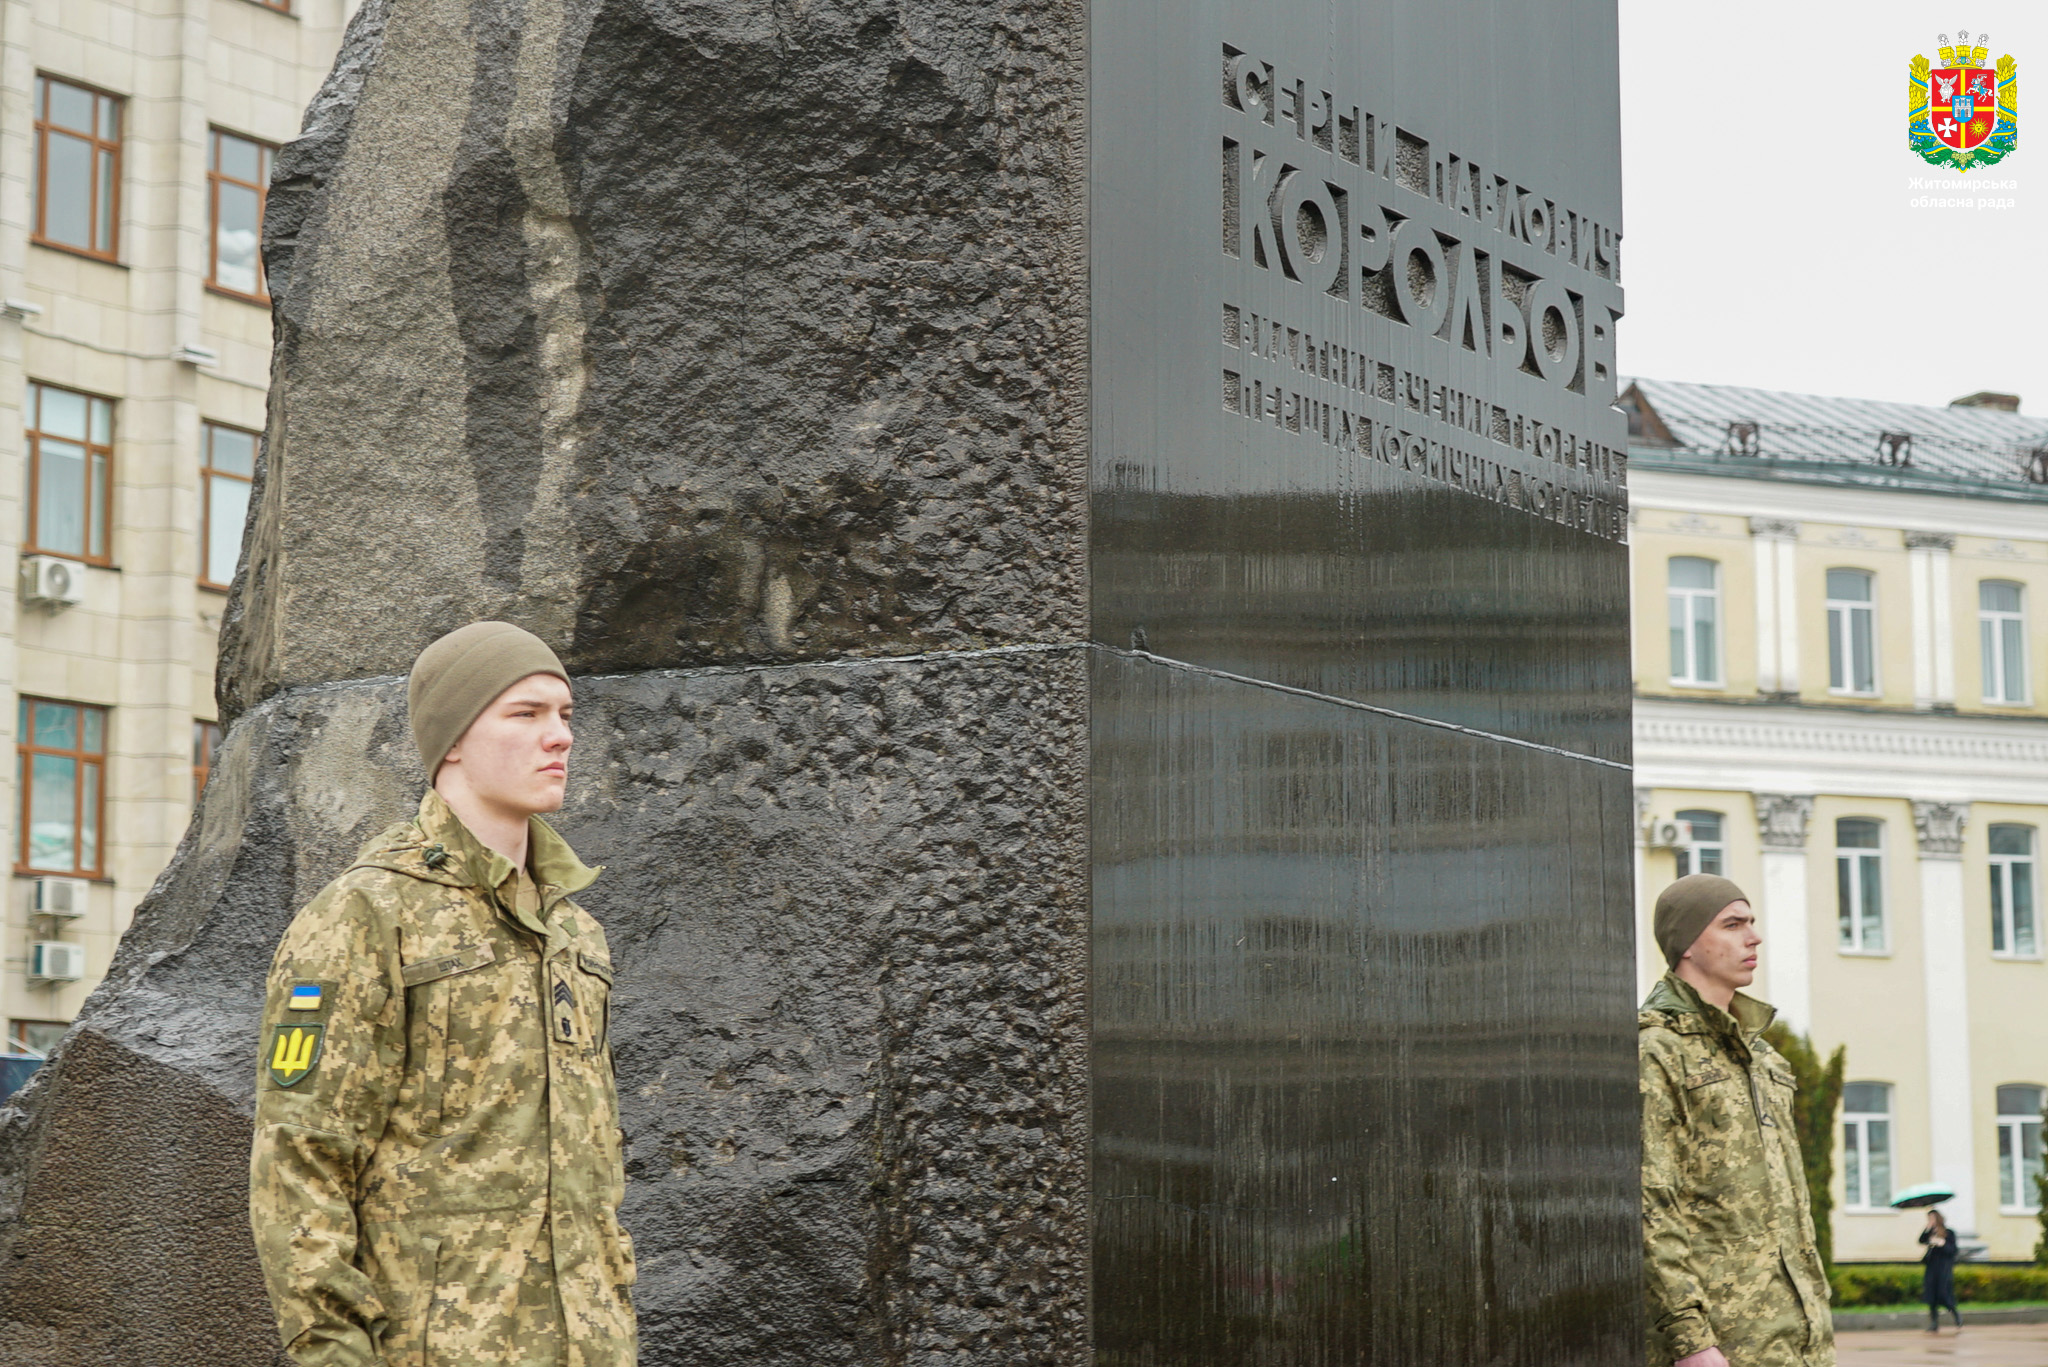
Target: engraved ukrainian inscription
{"type": "Point", "coordinates": [1358, 215]}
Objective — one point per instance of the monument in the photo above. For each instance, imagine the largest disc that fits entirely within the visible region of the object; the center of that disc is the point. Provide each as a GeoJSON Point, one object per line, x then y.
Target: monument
{"type": "Point", "coordinates": [1363, 1050]}
{"type": "Point", "coordinates": [1090, 536]}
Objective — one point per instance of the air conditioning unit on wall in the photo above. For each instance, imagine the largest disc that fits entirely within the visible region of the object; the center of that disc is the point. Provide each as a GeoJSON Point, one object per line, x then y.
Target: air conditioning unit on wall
{"type": "Point", "coordinates": [63, 897]}
{"type": "Point", "coordinates": [1669, 835]}
{"type": "Point", "coordinates": [56, 961]}
{"type": "Point", "coordinates": [49, 581]}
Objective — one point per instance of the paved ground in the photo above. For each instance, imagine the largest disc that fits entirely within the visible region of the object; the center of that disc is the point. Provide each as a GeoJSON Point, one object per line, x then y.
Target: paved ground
{"type": "Point", "coordinates": [1990, 1345]}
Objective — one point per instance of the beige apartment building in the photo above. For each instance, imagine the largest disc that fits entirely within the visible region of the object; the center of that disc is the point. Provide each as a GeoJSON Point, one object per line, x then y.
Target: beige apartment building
{"type": "Point", "coordinates": [1842, 704]}
{"type": "Point", "coordinates": [135, 144]}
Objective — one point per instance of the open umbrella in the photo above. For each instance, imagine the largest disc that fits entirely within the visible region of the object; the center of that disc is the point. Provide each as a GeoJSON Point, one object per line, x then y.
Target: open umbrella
{"type": "Point", "coordinates": [1926, 1194]}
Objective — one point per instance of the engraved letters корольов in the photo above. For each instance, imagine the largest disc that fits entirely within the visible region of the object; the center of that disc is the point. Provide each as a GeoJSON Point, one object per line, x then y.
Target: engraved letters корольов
{"type": "Point", "coordinates": [1354, 213]}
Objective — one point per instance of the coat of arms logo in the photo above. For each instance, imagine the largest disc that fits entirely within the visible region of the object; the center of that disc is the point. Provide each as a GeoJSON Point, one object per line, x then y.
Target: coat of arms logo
{"type": "Point", "coordinates": [1963, 113]}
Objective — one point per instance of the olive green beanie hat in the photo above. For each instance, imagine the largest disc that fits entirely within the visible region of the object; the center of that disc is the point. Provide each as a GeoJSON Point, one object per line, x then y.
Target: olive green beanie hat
{"type": "Point", "coordinates": [456, 677]}
{"type": "Point", "coordinates": [1688, 907]}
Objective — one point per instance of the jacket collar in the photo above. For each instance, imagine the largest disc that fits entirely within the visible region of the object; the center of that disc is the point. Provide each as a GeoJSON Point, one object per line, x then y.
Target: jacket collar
{"type": "Point", "coordinates": [436, 847]}
{"type": "Point", "coordinates": [1746, 1019]}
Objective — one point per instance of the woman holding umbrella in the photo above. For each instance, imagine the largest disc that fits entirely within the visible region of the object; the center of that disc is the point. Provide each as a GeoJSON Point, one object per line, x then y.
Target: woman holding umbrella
{"type": "Point", "coordinates": [1938, 1263]}
{"type": "Point", "coordinates": [1938, 1271]}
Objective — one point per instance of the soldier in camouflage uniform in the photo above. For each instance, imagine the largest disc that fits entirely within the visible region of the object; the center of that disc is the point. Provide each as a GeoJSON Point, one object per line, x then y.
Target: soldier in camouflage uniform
{"type": "Point", "coordinates": [436, 1172]}
{"type": "Point", "coordinates": [1733, 1273]}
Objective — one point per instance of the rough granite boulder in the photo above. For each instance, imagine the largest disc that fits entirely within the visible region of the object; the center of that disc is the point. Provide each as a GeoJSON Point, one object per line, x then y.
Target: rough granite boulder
{"type": "Point", "coordinates": [685, 333]}
{"type": "Point", "coordinates": [738, 350]}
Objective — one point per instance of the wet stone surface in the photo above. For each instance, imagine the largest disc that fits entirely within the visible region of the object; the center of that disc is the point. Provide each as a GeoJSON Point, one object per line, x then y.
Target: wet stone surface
{"type": "Point", "coordinates": [847, 906]}
{"type": "Point", "coordinates": [709, 334]}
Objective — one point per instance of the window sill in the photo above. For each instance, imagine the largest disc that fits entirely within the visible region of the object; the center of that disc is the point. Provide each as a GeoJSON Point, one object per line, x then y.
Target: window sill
{"type": "Point", "coordinates": [280, 13]}
{"type": "Point", "coordinates": [107, 564]}
{"type": "Point", "coordinates": [81, 253]}
{"type": "Point", "coordinates": [1700, 685]}
{"type": "Point", "coordinates": [1854, 694]}
{"type": "Point", "coordinates": [2021, 1212]}
{"type": "Point", "coordinates": [259, 300]}
{"type": "Point", "coordinates": [1997, 957]}
{"type": "Point", "coordinates": [1871, 1210]}
{"type": "Point", "coordinates": [106, 878]}
{"type": "Point", "coordinates": [1863, 953]}
{"type": "Point", "coordinates": [211, 587]}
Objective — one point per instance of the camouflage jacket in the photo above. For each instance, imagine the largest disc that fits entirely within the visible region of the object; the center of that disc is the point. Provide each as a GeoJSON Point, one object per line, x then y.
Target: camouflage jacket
{"type": "Point", "coordinates": [1728, 1248]}
{"type": "Point", "coordinates": [436, 1172]}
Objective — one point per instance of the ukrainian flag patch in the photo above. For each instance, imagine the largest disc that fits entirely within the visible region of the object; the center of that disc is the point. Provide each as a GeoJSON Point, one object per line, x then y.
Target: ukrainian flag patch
{"type": "Point", "coordinates": [305, 997]}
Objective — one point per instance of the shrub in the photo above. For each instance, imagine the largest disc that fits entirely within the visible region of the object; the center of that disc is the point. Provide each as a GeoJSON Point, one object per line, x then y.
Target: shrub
{"type": "Point", "coordinates": [1862, 1285]}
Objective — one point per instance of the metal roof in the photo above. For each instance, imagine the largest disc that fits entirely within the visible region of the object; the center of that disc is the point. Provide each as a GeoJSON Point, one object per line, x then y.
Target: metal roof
{"type": "Point", "coordinates": [1767, 433]}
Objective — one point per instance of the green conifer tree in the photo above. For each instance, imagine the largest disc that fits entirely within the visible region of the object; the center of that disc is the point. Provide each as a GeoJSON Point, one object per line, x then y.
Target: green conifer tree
{"type": "Point", "coordinates": [2041, 1200]}
{"type": "Point", "coordinates": [1813, 1115]}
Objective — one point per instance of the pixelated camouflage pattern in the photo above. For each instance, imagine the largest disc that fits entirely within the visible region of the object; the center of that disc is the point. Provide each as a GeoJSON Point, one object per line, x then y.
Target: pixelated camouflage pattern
{"type": "Point", "coordinates": [1728, 1250]}
{"type": "Point", "coordinates": [443, 1187]}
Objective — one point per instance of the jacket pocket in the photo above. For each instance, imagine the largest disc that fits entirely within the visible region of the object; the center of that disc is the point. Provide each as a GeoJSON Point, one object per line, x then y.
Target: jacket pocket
{"type": "Point", "coordinates": [429, 989]}
{"type": "Point", "coordinates": [600, 1018]}
{"type": "Point", "coordinates": [1780, 1091]}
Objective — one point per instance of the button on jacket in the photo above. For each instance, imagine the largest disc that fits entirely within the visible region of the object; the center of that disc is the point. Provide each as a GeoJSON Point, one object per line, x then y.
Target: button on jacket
{"type": "Point", "coordinates": [1728, 1246]}
{"type": "Point", "coordinates": [436, 1174]}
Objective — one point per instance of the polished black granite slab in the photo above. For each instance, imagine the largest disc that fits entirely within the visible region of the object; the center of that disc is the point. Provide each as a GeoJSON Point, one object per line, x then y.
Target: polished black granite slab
{"type": "Point", "coordinates": [1363, 1041]}
{"type": "Point", "coordinates": [1355, 275]}
{"type": "Point", "coordinates": [1363, 1069]}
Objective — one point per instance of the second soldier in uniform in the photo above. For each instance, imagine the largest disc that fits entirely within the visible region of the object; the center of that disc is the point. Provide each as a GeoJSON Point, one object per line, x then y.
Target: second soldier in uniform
{"type": "Point", "coordinates": [1734, 1275]}
{"type": "Point", "coordinates": [436, 1172]}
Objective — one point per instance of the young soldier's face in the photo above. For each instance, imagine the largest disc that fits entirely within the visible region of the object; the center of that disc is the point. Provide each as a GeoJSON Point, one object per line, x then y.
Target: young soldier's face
{"type": "Point", "coordinates": [515, 755]}
{"type": "Point", "coordinates": [1726, 950]}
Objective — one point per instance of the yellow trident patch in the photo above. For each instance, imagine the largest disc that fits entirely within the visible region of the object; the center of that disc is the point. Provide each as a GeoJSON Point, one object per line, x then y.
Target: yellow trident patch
{"type": "Point", "coordinates": [294, 1052]}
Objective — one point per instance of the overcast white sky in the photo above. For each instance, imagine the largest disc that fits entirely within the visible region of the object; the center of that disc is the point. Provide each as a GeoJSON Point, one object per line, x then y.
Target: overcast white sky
{"type": "Point", "coordinates": [1770, 236]}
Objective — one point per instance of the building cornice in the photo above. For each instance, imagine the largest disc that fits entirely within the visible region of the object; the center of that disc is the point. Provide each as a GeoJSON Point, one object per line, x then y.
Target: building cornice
{"type": "Point", "coordinates": [1905, 509]}
{"type": "Point", "coordinates": [1832, 474]}
{"type": "Point", "coordinates": [1767, 748]}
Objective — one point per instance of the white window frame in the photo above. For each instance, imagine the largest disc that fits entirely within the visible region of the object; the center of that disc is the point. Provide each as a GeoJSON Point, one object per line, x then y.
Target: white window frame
{"type": "Point", "coordinates": [1856, 1153]}
{"type": "Point", "coordinates": [2002, 905]}
{"type": "Point", "coordinates": [1691, 854]}
{"type": "Point", "coordinates": [2012, 1130]}
{"type": "Point", "coordinates": [1993, 640]}
{"type": "Point", "coordinates": [1856, 943]}
{"type": "Point", "coordinates": [1689, 610]}
{"type": "Point", "coordinates": [1842, 638]}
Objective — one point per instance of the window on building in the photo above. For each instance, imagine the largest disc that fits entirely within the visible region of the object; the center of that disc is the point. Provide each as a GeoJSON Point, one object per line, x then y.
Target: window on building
{"type": "Point", "coordinates": [70, 441]}
{"type": "Point", "coordinates": [237, 178]}
{"type": "Point", "coordinates": [2014, 920]}
{"type": "Point", "coordinates": [230, 463]}
{"type": "Point", "coordinates": [28, 1044]}
{"type": "Point", "coordinates": [1867, 1145]}
{"type": "Point", "coordinates": [2002, 630]}
{"type": "Point", "coordinates": [77, 187]}
{"type": "Point", "coordinates": [1859, 884]}
{"type": "Point", "coordinates": [1704, 851]}
{"type": "Point", "coordinates": [35, 1038]}
{"type": "Point", "coordinates": [1852, 633]}
{"type": "Point", "coordinates": [1695, 598]}
{"type": "Point", "coordinates": [205, 740]}
{"type": "Point", "coordinates": [60, 800]}
{"type": "Point", "coordinates": [2019, 1147]}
